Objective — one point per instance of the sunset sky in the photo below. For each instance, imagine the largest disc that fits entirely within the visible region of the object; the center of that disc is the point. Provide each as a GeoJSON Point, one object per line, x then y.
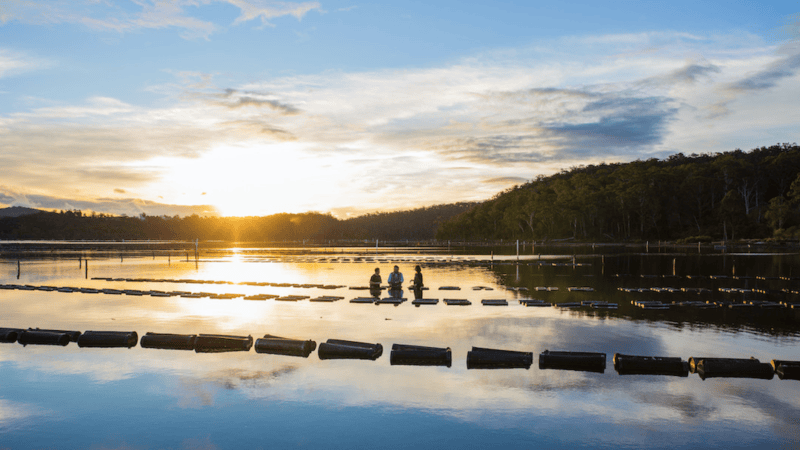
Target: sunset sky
{"type": "Point", "coordinates": [254, 107]}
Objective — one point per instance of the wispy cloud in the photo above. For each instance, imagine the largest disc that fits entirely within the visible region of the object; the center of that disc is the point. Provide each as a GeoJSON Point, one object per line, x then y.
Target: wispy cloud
{"type": "Point", "coordinates": [266, 10]}
{"type": "Point", "coordinates": [149, 14]}
{"type": "Point", "coordinates": [12, 63]}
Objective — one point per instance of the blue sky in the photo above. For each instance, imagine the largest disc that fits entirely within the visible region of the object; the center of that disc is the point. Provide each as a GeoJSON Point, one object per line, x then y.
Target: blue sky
{"type": "Point", "coordinates": [251, 107]}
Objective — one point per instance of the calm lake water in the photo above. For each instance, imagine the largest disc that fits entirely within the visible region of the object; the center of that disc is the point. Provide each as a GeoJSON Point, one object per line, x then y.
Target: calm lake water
{"type": "Point", "coordinates": [138, 398]}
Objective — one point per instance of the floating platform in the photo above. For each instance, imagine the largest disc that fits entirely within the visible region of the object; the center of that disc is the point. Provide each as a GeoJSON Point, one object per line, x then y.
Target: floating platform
{"type": "Point", "coordinates": [390, 301]}
{"type": "Point", "coordinates": [424, 301]}
{"type": "Point", "coordinates": [73, 335]}
{"type": "Point", "coordinates": [650, 365]}
{"type": "Point", "coordinates": [216, 343]}
{"type": "Point", "coordinates": [732, 368]}
{"type": "Point", "coordinates": [534, 302]}
{"type": "Point", "coordinates": [291, 298]}
{"type": "Point", "coordinates": [341, 349]}
{"type": "Point", "coordinates": [416, 355]}
{"type": "Point", "coordinates": [457, 302]}
{"type": "Point", "coordinates": [37, 337]}
{"type": "Point", "coordinates": [581, 361]}
{"type": "Point", "coordinates": [108, 339]}
{"type": "Point", "coordinates": [449, 288]}
{"type": "Point", "coordinates": [326, 299]}
{"type": "Point", "coordinates": [494, 302]}
{"type": "Point", "coordinates": [580, 289]}
{"type": "Point", "coordinates": [276, 345]}
{"type": "Point", "coordinates": [166, 341]}
{"type": "Point", "coordinates": [487, 358]}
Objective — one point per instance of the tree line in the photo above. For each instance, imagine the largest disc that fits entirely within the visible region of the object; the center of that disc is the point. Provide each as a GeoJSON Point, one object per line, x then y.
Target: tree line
{"type": "Point", "coordinates": [730, 195]}
{"type": "Point", "coordinates": [418, 225]}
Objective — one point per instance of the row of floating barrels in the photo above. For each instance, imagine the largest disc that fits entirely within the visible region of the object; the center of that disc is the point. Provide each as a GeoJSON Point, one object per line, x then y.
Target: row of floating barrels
{"type": "Point", "coordinates": [402, 354]}
{"type": "Point", "coordinates": [644, 304]}
{"type": "Point", "coordinates": [709, 277]}
{"type": "Point", "coordinates": [243, 283]}
{"type": "Point", "coordinates": [709, 304]}
{"type": "Point", "coordinates": [294, 298]}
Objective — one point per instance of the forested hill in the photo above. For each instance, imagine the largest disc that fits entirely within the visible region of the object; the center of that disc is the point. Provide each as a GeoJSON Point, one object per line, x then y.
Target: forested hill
{"type": "Point", "coordinates": [418, 224]}
{"type": "Point", "coordinates": [731, 195]}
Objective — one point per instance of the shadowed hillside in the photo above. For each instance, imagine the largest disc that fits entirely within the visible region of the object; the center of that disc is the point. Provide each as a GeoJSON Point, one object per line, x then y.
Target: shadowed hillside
{"type": "Point", "coordinates": [731, 195]}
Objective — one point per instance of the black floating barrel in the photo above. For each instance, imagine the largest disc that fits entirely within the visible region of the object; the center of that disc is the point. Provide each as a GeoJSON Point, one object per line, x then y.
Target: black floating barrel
{"type": "Point", "coordinates": [108, 339]}
{"type": "Point", "coordinates": [341, 349]}
{"type": "Point", "coordinates": [276, 345]}
{"type": "Point", "coordinates": [733, 368]}
{"type": "Point", "coordinates": [416, 355]}
{"type": "Point", "coordinates": [487, 358]}
{"type": "Point", "coordinates": [650, 365]}
{"type": "Point", "coordinates": [73, 335]}
{"type": "Point", "coordinates": [787, 370]}
{"type": "Point", "coordinates": [43, 338]}
{"type": "Point", "coordinates": [217, 343]}
{"type": "Point", "coordinates": [582, 361]}
{"type": "Point", "coordinates": [10, 335]}
{"type": "Point", "coordinates": [165, 341]}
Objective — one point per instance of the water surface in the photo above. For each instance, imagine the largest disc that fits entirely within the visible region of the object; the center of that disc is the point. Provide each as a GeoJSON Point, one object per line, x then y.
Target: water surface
{"type": "Point", "coordinates": [71, 397]}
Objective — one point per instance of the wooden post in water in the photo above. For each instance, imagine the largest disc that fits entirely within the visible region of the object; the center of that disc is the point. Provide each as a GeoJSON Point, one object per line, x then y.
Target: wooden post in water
{"type": "Point", "coordinates": [86, 266]}
{"type": "Point", "coordinates": [517, 250]}
{"type": "Point", "coordinates": [18, 269]}
{"type": "Point", "coordinates": [673, 266]}
{"type": "Point", "coordinates": [79, 262]}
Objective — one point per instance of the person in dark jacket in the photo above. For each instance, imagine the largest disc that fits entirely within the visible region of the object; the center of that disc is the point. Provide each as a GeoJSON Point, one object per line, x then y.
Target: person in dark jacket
{"type": "Point", "coordinates": [417, 286]}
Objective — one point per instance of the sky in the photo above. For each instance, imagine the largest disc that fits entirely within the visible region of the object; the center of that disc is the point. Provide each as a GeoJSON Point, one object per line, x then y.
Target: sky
{"type": "Point", "coordinates": [255, 107]}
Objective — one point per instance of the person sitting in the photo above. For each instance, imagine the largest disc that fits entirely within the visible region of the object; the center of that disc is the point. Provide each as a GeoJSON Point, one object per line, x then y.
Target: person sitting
{"type": "Point", "coordinates": [395, 281]}
{"type": "Point", "coordinates": [375, 283]}
{"type": "Point", "coordinates": [375, 280]}
{"type": "Point", "coordinates": [418, 278]}
{"type": "Point", "coordinates": [417, 286]}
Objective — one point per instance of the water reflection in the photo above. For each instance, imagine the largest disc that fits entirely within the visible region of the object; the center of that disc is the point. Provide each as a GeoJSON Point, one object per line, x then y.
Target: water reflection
{"type": "Point", "coordinates": [611, 409]}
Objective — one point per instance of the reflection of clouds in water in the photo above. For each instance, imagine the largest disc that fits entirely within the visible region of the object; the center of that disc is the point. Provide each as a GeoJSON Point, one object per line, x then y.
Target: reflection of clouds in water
{"type": "Point", "coordinates": [687, 406]}
{"type": "Point", "coordinates": [15, 415]}
{"type": "Point", "coordinates": [782, 407]}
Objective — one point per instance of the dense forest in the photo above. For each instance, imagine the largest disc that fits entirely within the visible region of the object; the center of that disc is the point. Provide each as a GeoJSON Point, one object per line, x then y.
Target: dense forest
{"type": "Point", "coordinates": [730, 195]}
{"type": "Point", "coordinates": [419, 224]}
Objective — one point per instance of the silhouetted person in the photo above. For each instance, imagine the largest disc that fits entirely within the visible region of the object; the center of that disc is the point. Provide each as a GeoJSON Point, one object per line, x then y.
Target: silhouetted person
{"type": "Point", "coordinates": [395, 281]}
{"type": "Point", "coordinates": [375, 283]}
{"type": "Point", "coordinates": [417, 286]}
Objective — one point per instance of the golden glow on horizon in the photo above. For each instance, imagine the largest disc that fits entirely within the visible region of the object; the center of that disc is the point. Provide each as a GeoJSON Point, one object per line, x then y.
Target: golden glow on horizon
{"type": "Point", "coordinates": [245, 180]}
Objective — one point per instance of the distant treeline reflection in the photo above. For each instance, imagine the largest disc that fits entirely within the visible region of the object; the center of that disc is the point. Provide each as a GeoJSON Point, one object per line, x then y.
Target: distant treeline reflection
{"type": "Point", "coordinates": [417, 224]}
{"type": "Point", "coordinates": [731, 195]}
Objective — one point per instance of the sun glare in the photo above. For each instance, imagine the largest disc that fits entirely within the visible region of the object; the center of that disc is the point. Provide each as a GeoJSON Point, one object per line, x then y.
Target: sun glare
{"type": "Point", "coordinates": [244, 180]}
